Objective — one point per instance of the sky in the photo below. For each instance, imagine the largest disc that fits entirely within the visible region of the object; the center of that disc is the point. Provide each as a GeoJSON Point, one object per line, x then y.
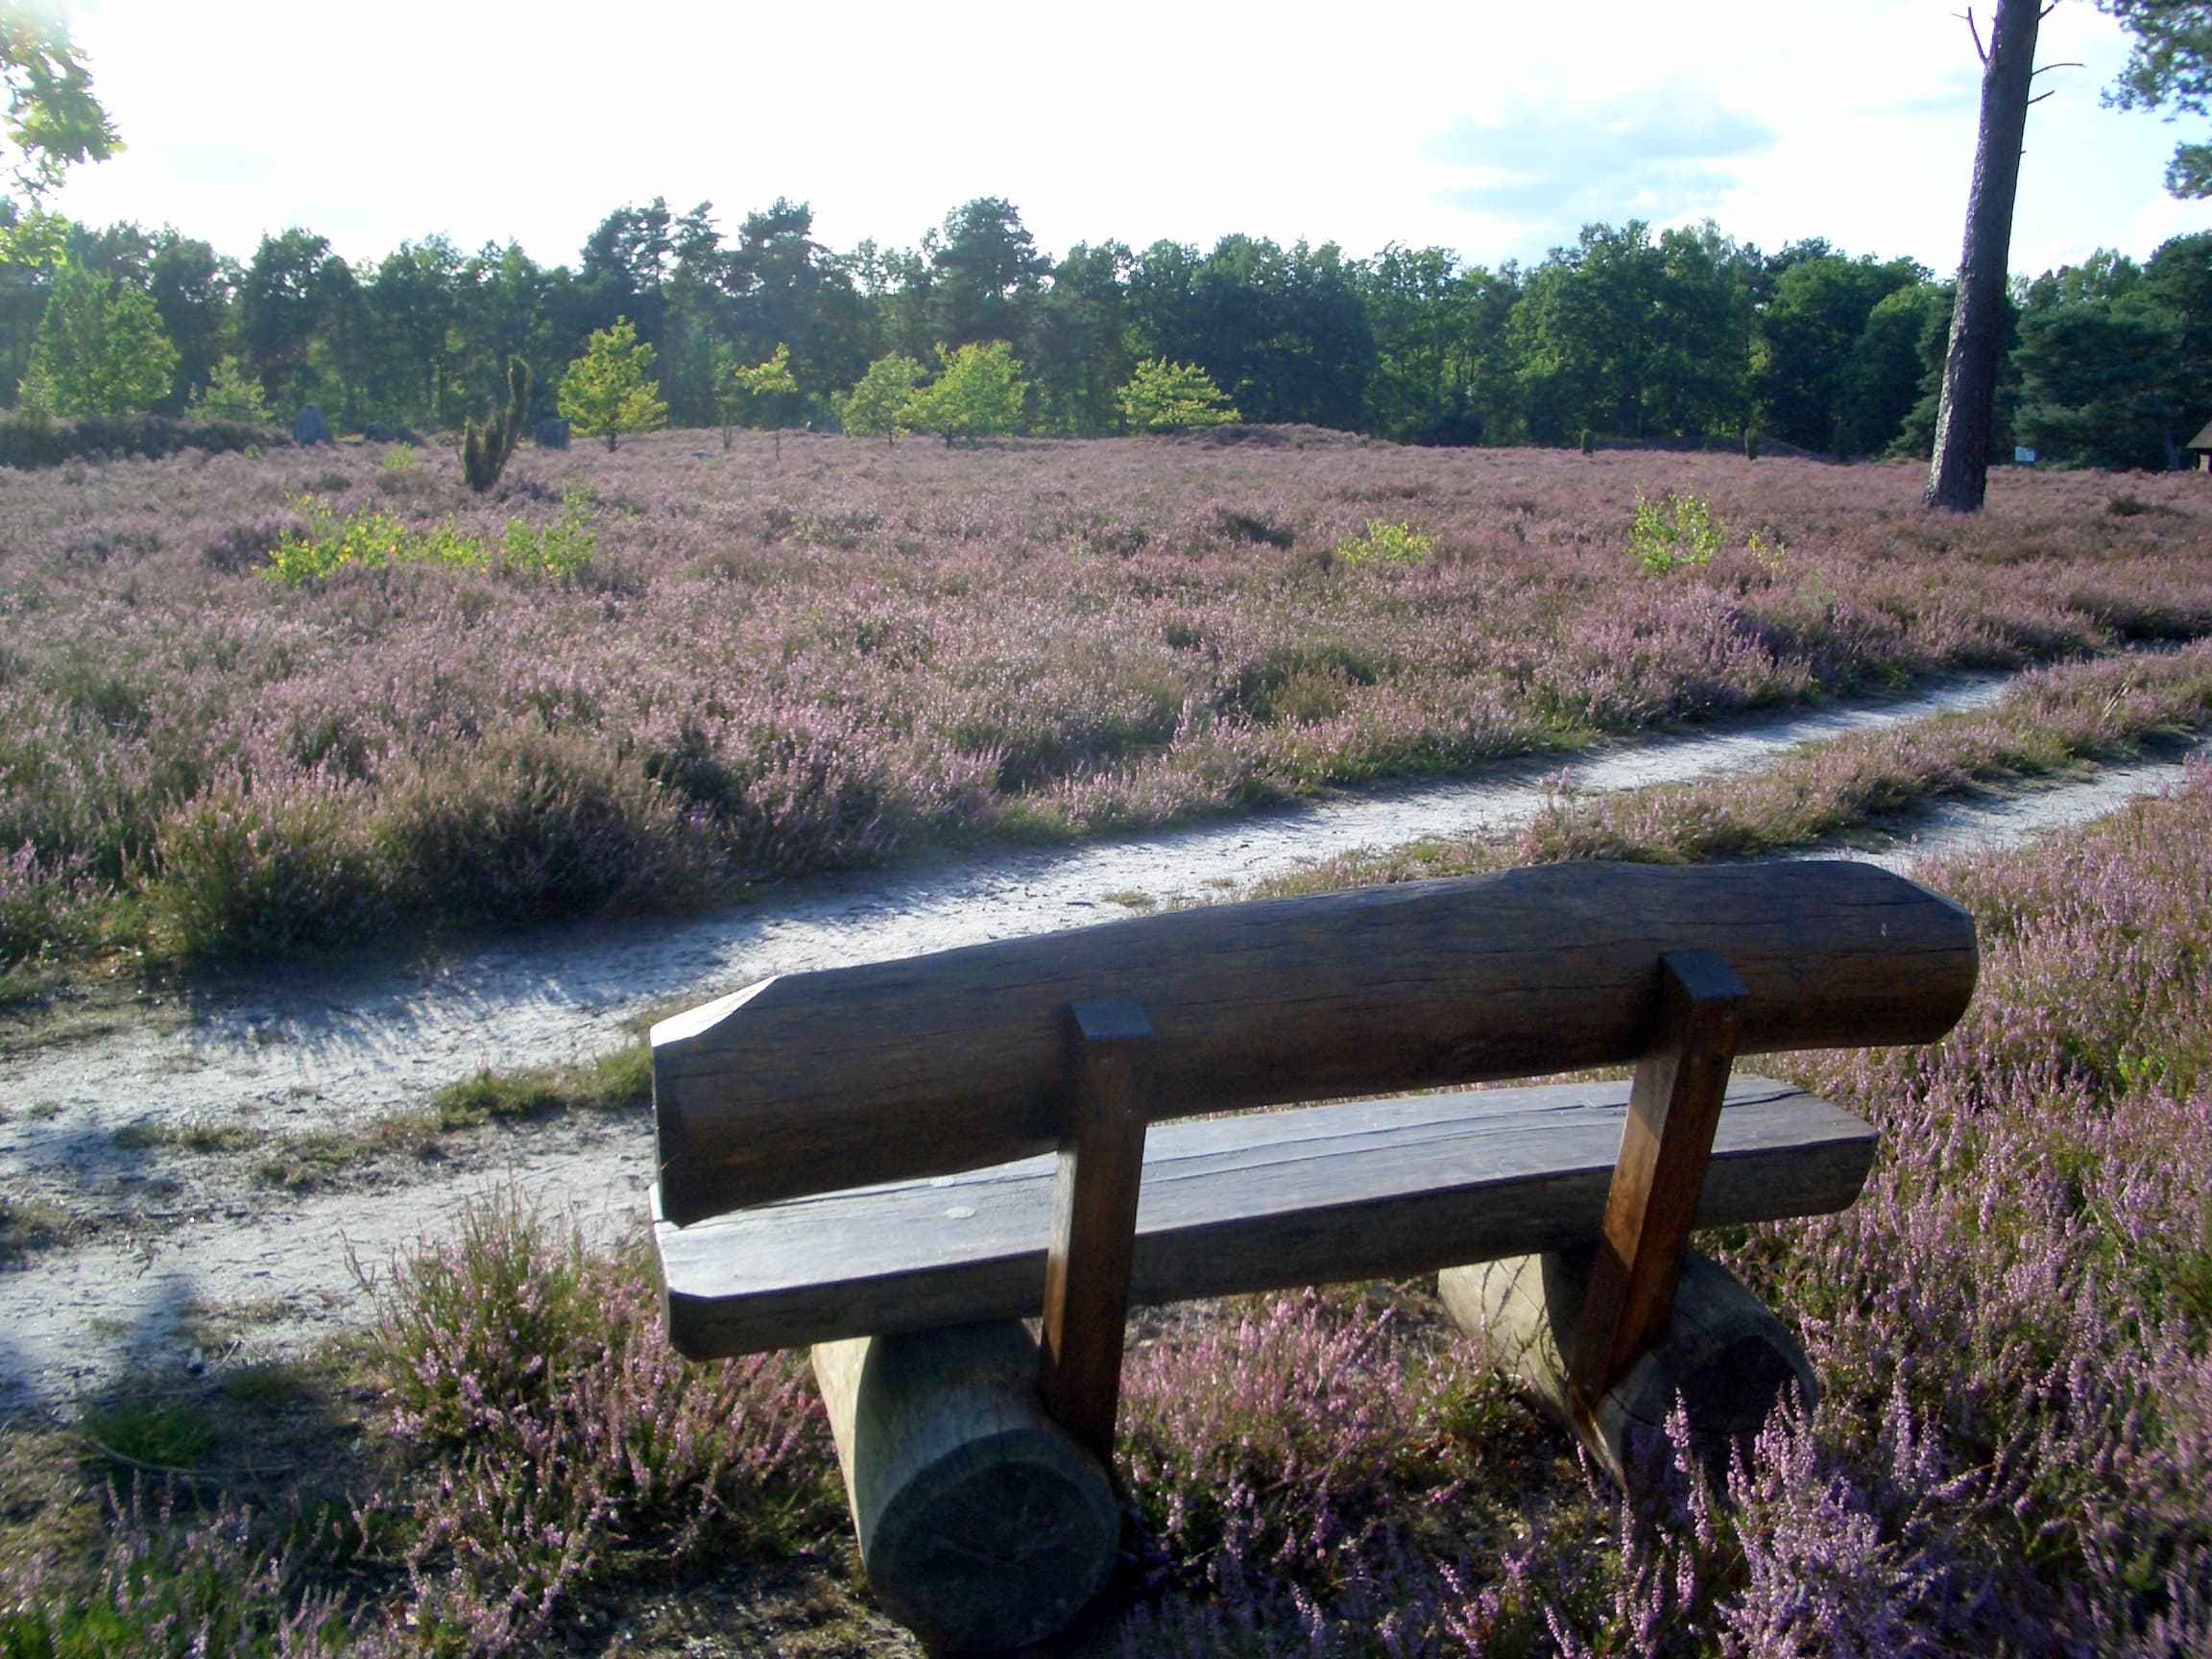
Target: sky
{"type": "Point", "coordinates": [1493, 127]}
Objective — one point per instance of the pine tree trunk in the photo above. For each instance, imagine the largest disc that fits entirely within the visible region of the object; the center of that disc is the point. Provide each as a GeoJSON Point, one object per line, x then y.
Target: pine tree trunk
{"type": "Point", "coordinates": [1959, 475]}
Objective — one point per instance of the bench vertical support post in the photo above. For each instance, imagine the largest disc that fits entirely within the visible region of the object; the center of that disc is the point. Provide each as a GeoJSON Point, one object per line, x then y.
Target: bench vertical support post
{"type": "Point", "coordinates": [1673, 1107]}
{"type": "Point", "coordinates": [1110, 1050]}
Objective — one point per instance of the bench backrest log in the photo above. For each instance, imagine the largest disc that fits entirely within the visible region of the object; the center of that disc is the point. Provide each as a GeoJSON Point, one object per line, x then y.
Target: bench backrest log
{"type": "Point", "coordinates": [825, 1081]}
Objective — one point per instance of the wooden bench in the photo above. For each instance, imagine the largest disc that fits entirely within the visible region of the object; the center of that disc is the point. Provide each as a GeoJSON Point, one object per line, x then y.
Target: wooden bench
{"type": "Point", "coordinates": [900, 1162]}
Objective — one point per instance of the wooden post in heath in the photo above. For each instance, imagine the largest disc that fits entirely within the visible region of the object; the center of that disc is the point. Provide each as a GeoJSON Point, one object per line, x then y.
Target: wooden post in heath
{"type": "Point", "coordinates": [1094, 1237]}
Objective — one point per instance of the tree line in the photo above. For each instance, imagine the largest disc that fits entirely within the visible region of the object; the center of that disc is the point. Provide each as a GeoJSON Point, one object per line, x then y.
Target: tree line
{"type": "Point", "coordinates": [1629, 333]}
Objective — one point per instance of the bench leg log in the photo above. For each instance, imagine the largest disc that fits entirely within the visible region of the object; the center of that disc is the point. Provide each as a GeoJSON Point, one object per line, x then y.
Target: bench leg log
{"type": "Point", "coordinates": [982, 1526]}
{"type": "Point", "coordinates": [1728, 1359]}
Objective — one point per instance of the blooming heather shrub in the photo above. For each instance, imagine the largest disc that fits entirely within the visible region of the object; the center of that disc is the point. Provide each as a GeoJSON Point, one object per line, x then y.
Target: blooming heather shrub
{"type": "Point", "coordinates": [1049, 638]}
{"type": "Point", "coordinates": [2048, 721]}
{"type": "Point", "coordinates": [554, 1437]}
{"type": "Point", "coordinates": [2018, 1293]}
{"type": "Point", "coordinates": [42, 904]}
{"type": "Point", "coordinates": [529, 825]}
{"type": "Point", "coordinates": [271, 869]}
{"type": "Point", "coordinates": [1280, 1443]}
{"type": "Point", "coordinates": [168, 1584]}
{"type": "Point", "coordinates": [2012, 1328]}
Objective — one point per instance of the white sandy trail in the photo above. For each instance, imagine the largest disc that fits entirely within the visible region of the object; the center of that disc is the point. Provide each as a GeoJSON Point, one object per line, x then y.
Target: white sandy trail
{"type": "Point", "coordinates": [258, 1273]}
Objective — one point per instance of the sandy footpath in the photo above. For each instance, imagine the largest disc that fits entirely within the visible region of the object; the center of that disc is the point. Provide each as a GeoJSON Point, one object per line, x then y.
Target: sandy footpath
{"type": "Point", "coordinates": [187, 1258]}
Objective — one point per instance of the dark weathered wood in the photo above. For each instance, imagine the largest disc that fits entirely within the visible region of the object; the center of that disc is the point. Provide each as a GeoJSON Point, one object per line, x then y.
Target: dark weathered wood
{"type": "Point", "coordinates": [953, 1061]}
{"type": "Point", "coordinates": [1673, 1107]}
{"type": "Point", "coordinates": [1359, 1189]}
{"type": "Point", "coordinates": [982, 1526]}
{"type": "Point", "coordinates": [1093, 1232]}
{"type": "Point", "coordinates": [1723, 1356]}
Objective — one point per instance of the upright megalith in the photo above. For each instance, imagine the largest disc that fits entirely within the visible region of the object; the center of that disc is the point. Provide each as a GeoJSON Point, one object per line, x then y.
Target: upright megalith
{"type": "Point", "coordinates": [308, 427]}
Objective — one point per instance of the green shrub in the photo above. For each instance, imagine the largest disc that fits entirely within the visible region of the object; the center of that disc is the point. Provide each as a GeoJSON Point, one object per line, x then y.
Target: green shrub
{"type": "Point", "coordinates": [1386, 543]}
{"type": "Point", "coordinates": [532, 826]}
{"type": "Point", "coordinates": [370, 538]}
{"type": "Point", "coordinates": [563, 548]}
{"type": "Point", "coordinates": [398, 458]}
{"type": "Point", "coordinates": [1164, 397]}
{"type": "Point", "coordinates": [1673, 532]}
{"type": "Point", "coordinates": [268, 872]}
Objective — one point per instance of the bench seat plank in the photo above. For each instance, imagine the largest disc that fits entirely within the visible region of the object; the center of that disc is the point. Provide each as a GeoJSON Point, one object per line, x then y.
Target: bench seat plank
{"type": "Point", "coordinates": [1355, 1189]}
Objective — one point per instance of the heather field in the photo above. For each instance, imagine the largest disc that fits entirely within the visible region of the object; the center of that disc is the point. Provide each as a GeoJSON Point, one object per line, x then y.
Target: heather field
{"type": "Point", "coordinates": [313, 698]}
{"type": "Point", "coordinates": [2013, 1329]}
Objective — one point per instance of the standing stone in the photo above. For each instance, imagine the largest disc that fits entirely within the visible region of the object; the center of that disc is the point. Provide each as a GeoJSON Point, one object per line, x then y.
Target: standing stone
{"type": "Point", "coordinates": [309, 427]}
{"type": "Point", "coordinates": [552, 433]}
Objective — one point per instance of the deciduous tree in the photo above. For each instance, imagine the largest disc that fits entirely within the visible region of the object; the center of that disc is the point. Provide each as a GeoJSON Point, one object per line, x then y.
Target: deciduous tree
{"type": "Point", "coordinates": [768, 388]}
{"type": "Point", "coordinates": [51, 123]}
{"type": "Point", "coordinates": [2170, 68]}
{"type": "Point", "coordinates": [979, 392]}
{"type": "Point", "coordinates": [608, 390]}
{"type": "Point", "coordinates": [100, 349]}
{"type": "Point", "coordinates": [882, 400]}
{"type": "Point", "coordinates": [1162, 397]}
{"type": "Point", "coordinates": [229, 393]}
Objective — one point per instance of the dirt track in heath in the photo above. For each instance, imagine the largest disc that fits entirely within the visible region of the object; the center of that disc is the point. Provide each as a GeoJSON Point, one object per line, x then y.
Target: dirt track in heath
{"type": "Point", "coordinates": [166, 1256]}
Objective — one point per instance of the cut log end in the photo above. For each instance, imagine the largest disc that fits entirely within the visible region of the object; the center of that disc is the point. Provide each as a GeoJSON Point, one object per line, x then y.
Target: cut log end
{"type": "Point", "coordinates": [1726, 1358]}
{"type": "Point", "coordinates": [982, 1526]}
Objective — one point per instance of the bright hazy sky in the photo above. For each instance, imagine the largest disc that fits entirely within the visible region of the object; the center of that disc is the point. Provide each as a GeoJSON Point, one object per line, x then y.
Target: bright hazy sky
{"type": "Point", "coordinates": [1494, 129]}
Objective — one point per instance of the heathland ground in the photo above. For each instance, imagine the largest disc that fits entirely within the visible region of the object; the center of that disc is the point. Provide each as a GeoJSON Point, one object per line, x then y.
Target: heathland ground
{"type": "Point", "coordinates": [1045, 639]}
{"type": "Point", "coordinates": [315, 698]}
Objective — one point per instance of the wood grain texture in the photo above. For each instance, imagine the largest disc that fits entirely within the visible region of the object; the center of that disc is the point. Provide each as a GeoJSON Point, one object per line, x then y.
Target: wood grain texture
{"type": "Point", "coordinates": [982, 1526]}
{"type": "Point", "coordinates": [1359, 1189]}
{"type": "Point", "coordinates": [1094, 1231]}
{"type": "Point", "coordinates": [899, 1069]}
{"type": "Point", "coordinates": [1726, 1358]}
{"type": "Point", "coordinates": [1673, 1107]}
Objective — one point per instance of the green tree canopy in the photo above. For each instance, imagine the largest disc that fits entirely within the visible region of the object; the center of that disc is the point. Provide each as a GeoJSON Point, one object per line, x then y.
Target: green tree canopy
{"type": "Point", "coordinates": [769, 384]}
{"type": "Point", "coordinates": [979, 392]}
{"type": "Point", "coordinates": [1814, 325]}
{"type": "Point", "coordinates": [769, 390]}
{"type": "Point", "coordinates": [1164, 397]}
{"type": "Point", "coordinates": [986, 272]}
{"type": "Point", "coordinates": [229, 393]}
{"type": "Point", "coordinates": [2096, 382]}
{"type": "Point", "coordinates": [882, 399]}
{"type": "Point", "coordinates": [100, 349]}
{"type": "Point", "coordinates": [2170, 68]}
{"type": "Point", "coordinates": [608, 390]}
{"type": "Point", "coordinates": [51, 122]}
